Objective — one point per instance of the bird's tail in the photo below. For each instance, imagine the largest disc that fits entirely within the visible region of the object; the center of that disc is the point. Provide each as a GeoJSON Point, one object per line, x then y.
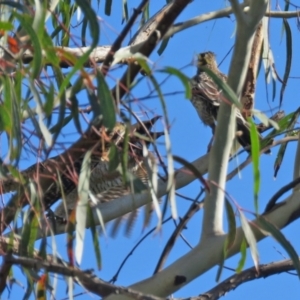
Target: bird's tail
{"type": "Point", "coordinates": [244, 136]}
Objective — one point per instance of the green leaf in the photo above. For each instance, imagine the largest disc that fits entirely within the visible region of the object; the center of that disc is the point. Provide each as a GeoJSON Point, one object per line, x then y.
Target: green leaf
{"type": "Point", "coordinates": [30, 281]}
{"type": "Point", "coordinates": [81, 209]}
{"type": "Point", "coordinates": [255, 159]}
{"type": "Point", "coordinates": [95, 33]}
{"type": "Point", "coordinates": [124, 11]}
{"type": "Point", "coordinates": [242, 260]}
{"type": "Point", "coordinates": [145, 16]}
{"type": "Point", "coordinates": [171, 172]}
{"type": "Point", "coordinates": [42, 127]}
{"type": "Point", "coordinates": [94, 237]}
{"type": "Point", "coordinates": [163, 46]}
{"type": "Point", "coordinates": [288, 63]}
{"type": "Point", "coordinates": [281, 239]}
{"type": "Point", "coordinates": [125, 156]}
{"type": "Point", "coordinates": [183, 78]}
{"type": "Point", "coordinates": [37, 57]}
{"type": "Point", "coordinates": [114, 160]}
{"type": "Point", "coordinates": [106, 102]}
{"type": "Point", "coordinates": [287, 123]}
{"type": "Point", "coordinates": [83, 31]}
{"type": "Point", "coordinates": [108, 4]}
{"type": "Point", "coordinates": [6, 26]}
{"type": "Point", "coordinates": [250, 238]}
{"type": "Point", "coordinates": [231, 226]}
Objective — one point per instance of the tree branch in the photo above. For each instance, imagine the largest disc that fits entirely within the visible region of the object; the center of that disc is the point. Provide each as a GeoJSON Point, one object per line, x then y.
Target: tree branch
{"type": "Point", "coordinates": [224, 135]}
{"type": "Point", "coordinates": [87, 279]}
{"type": "Point", "coordinates": [205, 256]}
{"type": "Point", "coordinates": [250, 274]}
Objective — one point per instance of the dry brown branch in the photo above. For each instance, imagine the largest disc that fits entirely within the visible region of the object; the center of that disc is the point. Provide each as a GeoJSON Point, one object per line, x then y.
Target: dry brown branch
{"type": "Point", "coordinates": [248, 93]}
{"type": "Point", "coordinates": [87, 278]}
{"type": "Point", "coordinates": [166, 18]}
{"type": "Point", "coordinates": [234, 281]}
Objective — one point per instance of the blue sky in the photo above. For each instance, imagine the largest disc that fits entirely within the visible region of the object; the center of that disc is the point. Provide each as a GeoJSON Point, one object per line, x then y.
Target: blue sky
{"type": "Point", "coordinates": [189, 140]}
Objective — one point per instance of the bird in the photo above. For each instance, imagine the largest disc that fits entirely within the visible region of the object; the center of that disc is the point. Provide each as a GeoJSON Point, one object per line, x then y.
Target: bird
{"type": "Point", "coordinates": [106, 184]}
{"type": "Point", "coordinates": [206, 98]}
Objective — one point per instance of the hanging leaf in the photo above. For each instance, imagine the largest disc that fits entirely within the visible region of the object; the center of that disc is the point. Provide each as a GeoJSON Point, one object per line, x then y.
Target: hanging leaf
{"type": "Point", "coordinates": [281, 239]}
{"type": "Point", "coordinates": [250, 238]}
{"type": "Point", "coordinates": [255, 154]}
{"type": "Point", "coordinates": [288, 63]}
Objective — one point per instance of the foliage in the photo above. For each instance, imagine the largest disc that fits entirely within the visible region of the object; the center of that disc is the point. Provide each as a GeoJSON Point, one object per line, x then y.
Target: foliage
{"type": "Point", "coordinates": [69, 104]}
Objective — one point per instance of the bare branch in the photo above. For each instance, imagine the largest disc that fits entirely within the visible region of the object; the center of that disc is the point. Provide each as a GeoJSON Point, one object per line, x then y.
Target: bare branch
{"type": "Point", "coordinates": [87, 279]}
{"type": "Point", "coordinates": [195, 207]}
{"type": "Point", "coordinates": [118, 42]}
{"type": "Point", "coordinates": [166, 20]}
{"type": "Point", "coordinates": [263, 271]}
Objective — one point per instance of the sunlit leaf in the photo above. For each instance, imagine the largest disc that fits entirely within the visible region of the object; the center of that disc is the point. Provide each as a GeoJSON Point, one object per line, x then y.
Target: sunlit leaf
{"type": "Point", "coordinates": [255, 159]}
{"type": "Point", "coordinates": [94, 237]}
{"type": "Point", "coordinates": [152, 171]}
{"type": "Point", "coordinates": [250, 238]}
{"type": "Point", "coordinates": [171, 171]}
{"type": "Point", "coordinates": [6, 26]}
{"type": "Point", "coordinates": [231, 225]}
{"type": "Point", "coordinates": [81, 209]}
{"type": "Point", "coordinates": [242, 260]}
{"type": "Point", "coordinates": [42, 127]}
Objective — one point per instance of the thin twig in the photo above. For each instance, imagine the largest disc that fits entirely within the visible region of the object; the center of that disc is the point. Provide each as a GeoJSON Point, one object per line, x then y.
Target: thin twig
{"type": "Point", "coordinates": [115, 277]}
{"type": "Point", "coordinates": [118, 42]}
{"type": "Point", "coordinates": [253, 273]}
{"type": "Point", "coordinates": [196, 206]}
{"type": "Point", "coordinates": [277, 195]}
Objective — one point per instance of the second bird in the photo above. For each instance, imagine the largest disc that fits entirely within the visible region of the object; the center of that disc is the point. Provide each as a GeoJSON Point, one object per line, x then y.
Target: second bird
{"type": "Point", "coordinates": [206, 98]}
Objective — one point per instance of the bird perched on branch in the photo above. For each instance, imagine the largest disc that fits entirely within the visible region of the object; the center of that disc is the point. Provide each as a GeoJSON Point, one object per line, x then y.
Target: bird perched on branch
{"type": "Point", "coordinates": [106, 184]}
{"type": "Point", "coordinates": [57, 177]}
{"type": "Point", "coordinates": [206, 98]}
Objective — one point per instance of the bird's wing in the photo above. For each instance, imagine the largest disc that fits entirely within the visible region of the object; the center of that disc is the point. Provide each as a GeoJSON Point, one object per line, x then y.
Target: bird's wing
{"type": "Point", "coordinates": [204, 86]}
